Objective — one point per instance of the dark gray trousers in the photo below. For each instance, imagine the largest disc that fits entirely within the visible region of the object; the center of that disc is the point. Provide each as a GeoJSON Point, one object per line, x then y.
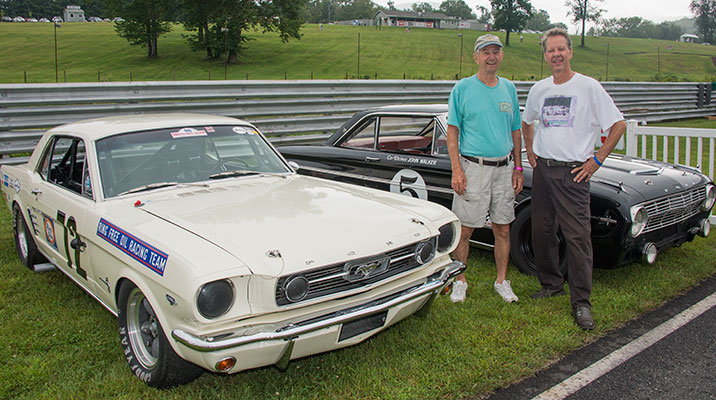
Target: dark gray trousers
{"type": "Point", "coordinates": [559, 203]}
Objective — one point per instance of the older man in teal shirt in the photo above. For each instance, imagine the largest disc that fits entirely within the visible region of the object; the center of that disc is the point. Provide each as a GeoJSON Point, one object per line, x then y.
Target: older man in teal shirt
{"type": "Point", "coordinates": [484, 143]}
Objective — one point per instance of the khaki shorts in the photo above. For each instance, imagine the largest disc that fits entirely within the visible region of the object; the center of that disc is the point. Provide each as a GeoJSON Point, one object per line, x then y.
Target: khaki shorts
{"type": "Point", "coordinates": [489, 193]}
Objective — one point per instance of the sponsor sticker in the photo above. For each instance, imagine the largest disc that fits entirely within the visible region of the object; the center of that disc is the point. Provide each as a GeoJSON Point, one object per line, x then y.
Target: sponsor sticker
{"type": "Point", "coordinates": [141, 251]}
{"type": "Point", "coordinates": [16, 185]}
{"type": "Point", "coordinates": [5, 180]}
{"type": "Point", "coordinates": [209, 129]}
{"type": "Point", "coordinates": [188, 132]}
{"type": "Point", "coordinates": [242, 130]}
{"type": "Point", "coordinates": [49, 231]}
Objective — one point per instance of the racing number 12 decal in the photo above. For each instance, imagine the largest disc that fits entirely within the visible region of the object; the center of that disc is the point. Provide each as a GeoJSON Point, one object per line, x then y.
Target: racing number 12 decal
{"type": "Point", "coordinates": [69, 227]}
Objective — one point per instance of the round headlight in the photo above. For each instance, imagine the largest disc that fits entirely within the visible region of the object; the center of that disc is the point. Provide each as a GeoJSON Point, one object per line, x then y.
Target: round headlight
{"type": "Point", "coordinates": [215, 298]}
{"type": "Point", "coordinates": [296, 288]}
{"type": "Point", "coordinates": [710, 198]}
{"type": "Point", "coordinates": [638, 220]}
{"type": "Point", "coordinates": [446, 238]}
{"type": "Point", "coordinates": [424, 252]}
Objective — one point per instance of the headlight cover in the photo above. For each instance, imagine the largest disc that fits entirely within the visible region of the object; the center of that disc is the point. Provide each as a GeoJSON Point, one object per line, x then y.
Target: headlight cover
{"type": "Point", "coordinates": [296, 288]}
{"type": "Point", "coordinates": [710, 198]}
{"type": "Point", "coordinates": [638, 220]}
{"type": "Point", "coordinates": [425, 251]}
{"type": "Point", "coordinates": [447, 237]}
{"type": "Point", "coordinates": [215, 298]}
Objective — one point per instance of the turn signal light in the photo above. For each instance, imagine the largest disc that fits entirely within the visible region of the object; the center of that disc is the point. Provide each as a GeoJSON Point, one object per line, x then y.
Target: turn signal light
{"type": "Point", "coordinates": [226, 364]}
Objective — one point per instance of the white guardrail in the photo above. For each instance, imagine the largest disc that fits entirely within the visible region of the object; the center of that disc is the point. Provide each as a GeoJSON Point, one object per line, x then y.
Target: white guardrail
{"type": "Point", "coordinates": [674, 145]}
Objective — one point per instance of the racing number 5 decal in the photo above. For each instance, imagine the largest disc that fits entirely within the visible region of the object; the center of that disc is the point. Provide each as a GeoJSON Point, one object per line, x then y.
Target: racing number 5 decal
{"type": "Point", "coordinates": [410, 183]}
{"type": "Point", "coordinates": [70, 227]}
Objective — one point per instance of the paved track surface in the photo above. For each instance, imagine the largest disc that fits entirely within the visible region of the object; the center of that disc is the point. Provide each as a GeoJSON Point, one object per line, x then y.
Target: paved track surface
{"type": "Point", "coordinates": [669, 353]}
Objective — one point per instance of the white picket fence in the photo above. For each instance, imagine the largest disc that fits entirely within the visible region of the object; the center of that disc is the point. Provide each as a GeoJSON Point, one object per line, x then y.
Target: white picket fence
{"type": "Point", "coordinates": [670, 142]}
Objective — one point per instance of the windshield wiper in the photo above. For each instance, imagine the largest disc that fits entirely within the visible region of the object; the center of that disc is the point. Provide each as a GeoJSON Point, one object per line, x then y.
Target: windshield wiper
{"type": "Point", "coordinates": [227, 174]}
{"type": "Point", "coordinates": [150, 186]}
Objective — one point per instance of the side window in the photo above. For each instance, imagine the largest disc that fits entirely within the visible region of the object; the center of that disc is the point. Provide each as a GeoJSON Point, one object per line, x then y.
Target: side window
{"type": "Point", "coordinates": [441, 149]}
{"type": "Point", "coordinates": [86, 181]}
{"type": "Point", "coordinates": [64, 165]}
{"type": "Point", "coordinates": [412, 135]}
{"type": "Point", "coordinates": [363, 137]}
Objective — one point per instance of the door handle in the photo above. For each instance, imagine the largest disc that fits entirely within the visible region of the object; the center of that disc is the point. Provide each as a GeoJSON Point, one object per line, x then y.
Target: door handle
{"type": "Point", "coordinates": [372, 159]}
{"type": "Point", "coordinates": [36, 191]}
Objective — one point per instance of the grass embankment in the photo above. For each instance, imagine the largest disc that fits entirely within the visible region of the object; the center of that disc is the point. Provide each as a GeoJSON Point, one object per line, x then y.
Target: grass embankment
{"type": "Point", "coordinates": [57, 342]}
{"type": "Point", "coordinates": [330, 53]}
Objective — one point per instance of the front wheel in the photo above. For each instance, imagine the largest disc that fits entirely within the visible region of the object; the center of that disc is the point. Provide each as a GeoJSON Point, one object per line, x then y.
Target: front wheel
{"type": "Point", "coordinates": [521, 248]}
{"type": "Point", "coordinates": [148, 352]}
{"type": "Point", "coordinates": [24, 243]}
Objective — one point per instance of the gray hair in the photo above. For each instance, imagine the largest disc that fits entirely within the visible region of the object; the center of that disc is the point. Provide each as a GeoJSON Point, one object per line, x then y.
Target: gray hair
{"type": "Point", "coordinates": [555, 32]}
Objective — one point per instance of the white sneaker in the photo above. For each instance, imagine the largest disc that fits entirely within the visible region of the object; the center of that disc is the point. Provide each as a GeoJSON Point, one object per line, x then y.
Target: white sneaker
{"type": "Point", "coordinates": [505, 291]}
{"type": "Point", "coordinates": [459, 290]}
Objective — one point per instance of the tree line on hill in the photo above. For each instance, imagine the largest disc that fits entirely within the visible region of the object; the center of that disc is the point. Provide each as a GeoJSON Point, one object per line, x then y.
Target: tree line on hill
{"type": "Point", "coordinates": [218, 27]}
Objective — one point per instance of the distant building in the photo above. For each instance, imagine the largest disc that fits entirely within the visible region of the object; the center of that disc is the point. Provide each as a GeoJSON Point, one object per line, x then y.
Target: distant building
{"type": "Point", "coordinates": [409, 19]}
{"type": "Point", "coordinates": [688, 38]}
{"type": "Point", "coordinates": [474, 25]}
{"type": "Point", "coordinates": [73, 14]}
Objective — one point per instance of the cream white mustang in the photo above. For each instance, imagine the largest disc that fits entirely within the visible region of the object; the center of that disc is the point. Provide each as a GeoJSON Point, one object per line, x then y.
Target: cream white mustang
{"type": "Point", "coordinates": [212, 252]}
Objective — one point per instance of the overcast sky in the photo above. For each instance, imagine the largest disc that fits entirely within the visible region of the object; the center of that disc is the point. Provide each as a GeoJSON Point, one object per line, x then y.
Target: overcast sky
{"type": "Point", "coordinates": [654, 10]}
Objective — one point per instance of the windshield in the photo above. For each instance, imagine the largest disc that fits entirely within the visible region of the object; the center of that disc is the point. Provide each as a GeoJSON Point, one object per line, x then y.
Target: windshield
{"type": "Point", "coordinates": [150, 159]}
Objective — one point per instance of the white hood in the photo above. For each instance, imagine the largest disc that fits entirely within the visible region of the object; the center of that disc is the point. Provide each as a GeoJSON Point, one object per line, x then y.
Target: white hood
{"type": "Point", "coordinates": [281, 225]}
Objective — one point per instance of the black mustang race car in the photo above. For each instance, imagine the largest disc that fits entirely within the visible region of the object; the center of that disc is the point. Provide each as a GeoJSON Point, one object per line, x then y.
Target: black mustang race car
{"type": "Point", "coordinates": [639, 207]}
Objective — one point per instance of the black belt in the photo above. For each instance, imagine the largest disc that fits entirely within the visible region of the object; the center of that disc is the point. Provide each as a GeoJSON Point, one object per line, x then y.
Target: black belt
{"type": "Point", "coordinates": [489, 163]}
{"type": "Point", "coordinates": [554, 163]}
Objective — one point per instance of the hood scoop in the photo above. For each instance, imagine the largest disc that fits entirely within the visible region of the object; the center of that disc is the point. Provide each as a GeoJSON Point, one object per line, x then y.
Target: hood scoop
{"type": "Point", "coordinates": [647, 171]}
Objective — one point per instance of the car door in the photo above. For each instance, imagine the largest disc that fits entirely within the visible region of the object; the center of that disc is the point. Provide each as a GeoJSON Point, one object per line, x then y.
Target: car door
{"type": "Point", "coordinates": [410, 157]}
{"type": "Point", "coordinates": [63, 194]}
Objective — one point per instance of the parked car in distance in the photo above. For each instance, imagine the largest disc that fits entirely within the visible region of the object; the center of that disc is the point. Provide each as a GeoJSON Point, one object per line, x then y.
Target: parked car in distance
{"type": "Point", "coordinates": [213, 253]}
{"type": "Point", "coordinates": [57, 19]}
{"type": "Point", "coordinates": [18, 19]}
{"type": "Point", "coordinates": [639, 207]}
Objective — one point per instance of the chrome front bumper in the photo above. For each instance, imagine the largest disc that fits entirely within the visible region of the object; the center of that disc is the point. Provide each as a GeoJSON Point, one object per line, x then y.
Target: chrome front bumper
{"type": "Point", "coordinates": [434, 285]}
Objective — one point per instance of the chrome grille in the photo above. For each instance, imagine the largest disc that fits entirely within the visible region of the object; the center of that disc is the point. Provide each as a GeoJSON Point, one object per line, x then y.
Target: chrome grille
{"type": "Point", "coordinates": [332, 279]}
{"type": "Point", "coordinates": [673, 209]}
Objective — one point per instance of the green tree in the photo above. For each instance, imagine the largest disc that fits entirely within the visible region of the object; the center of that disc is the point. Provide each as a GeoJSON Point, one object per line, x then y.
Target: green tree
{"type": "Point", "coordinates": [226, 22]}
{"type": "Point", "coordinates": [456, 8]}
{"type": "Point", "coordinates": [510, 15]}
{"type": "Point", "coordinates": [144, 21]}
{"type": "Point", "coordinates": [539, 21]}
{"type": "Point", "coordinates": [636, 27]}
{"type": "Point", "coordinates": [485, 15]}
{"type": "Point", "coordinates": [583, 11]}
{"type": "Point", "coordinates": [197, 17]}
{"type": "Point", "coordinates": [423, 7]}
{"type": "Point", "coordinates": [668, 31]}
{"type": "Point", "coordinates": [705, 11]}
{"type": "Point", "coordinates": [355, 9]}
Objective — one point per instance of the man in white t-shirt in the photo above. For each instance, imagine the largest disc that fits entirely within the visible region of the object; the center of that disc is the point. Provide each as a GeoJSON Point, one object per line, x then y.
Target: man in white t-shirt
{"type": "Point", "coordinates": [571, 110]}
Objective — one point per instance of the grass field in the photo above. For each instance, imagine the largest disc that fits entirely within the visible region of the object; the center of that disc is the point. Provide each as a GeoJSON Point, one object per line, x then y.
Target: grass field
{"type": "Point", "coordinates": [57, 342]}
{"type": "Point", "coordinates": [88, 52]}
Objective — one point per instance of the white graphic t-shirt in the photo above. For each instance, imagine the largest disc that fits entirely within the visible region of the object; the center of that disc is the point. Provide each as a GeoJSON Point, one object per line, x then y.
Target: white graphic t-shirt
{"type": "Point", "coordinates": [569, 117]}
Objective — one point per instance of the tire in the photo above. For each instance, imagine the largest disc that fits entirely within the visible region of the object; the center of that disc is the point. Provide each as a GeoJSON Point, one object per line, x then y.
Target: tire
{"type": "Point", "coordinates": [521, 250]}
{"type": "Point", "coordinates": [148, 352]}
{"type": "Point", "coordinates": [24, 242]}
